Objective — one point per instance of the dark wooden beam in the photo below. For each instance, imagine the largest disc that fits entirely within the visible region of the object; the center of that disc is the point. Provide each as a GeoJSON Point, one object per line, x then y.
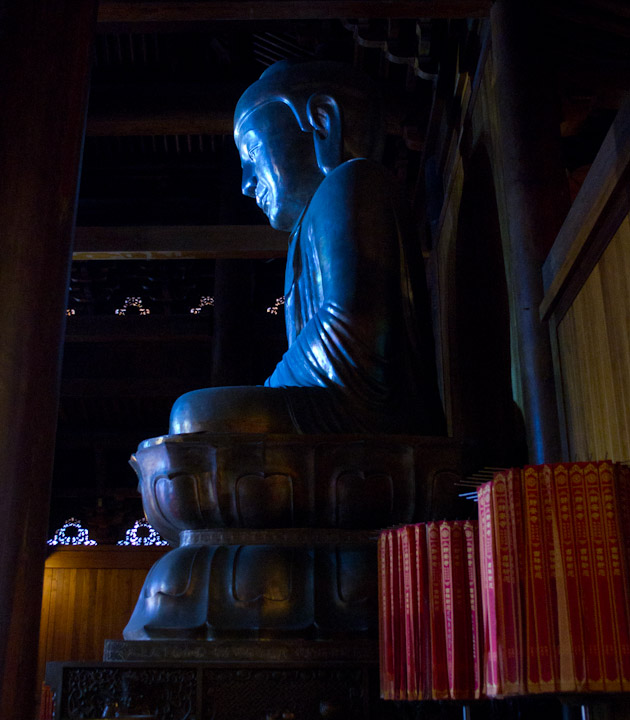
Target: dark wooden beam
{"type": "Point", "coordinates": [127, 388]}
{"type": "Point", "coordinates": [162, 109]}
{"type": "Point", "coordinates": [179, 121]}
{"type": "Point", "coordinates": [86, 437]}
{"type": "Point", "coordinates": [592, 220]}
{"type": "Point", "coordinates": [615, 23]}
{"type": "Point", "coordinates": [161, 122]}
{"type": "Point", "coordinates": [149, 328]}
{"type": "Point", "coordinates": [176, 242]}
{"type": "Point", "coordinates": [171, 11]}
{"type": "Point", "coordinates": [188, 109]}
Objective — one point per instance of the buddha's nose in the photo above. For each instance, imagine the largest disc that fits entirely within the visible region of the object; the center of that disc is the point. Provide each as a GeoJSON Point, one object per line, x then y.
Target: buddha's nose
{"type": "Point", "coordinates": [248, 185]}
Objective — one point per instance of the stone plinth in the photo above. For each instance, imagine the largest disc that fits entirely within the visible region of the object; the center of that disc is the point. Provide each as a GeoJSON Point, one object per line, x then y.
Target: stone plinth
{"type": "Point", "coordinates": [309, 582]}
{"type": "Point", "coordinates": [270, 653]}
{"type": "Point", "coordinates": [276, 535]}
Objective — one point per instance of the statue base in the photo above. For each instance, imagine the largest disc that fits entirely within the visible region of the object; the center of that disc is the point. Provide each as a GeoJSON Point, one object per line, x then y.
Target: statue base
{"type": "Point", "coordinates": [266, 609]}
{"type": "Point", "coordinates": [276, 534]}
{"type": "Point", "coordinates": [261, 584]}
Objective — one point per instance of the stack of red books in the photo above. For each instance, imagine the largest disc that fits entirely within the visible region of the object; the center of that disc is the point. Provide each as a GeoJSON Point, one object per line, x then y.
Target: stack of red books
{"type": "Point", "coordinates": [556, 610]}
{"type": "Point", "coordinates": [549, 571]}
{"type": "Point", "coordinates": [430, 623]}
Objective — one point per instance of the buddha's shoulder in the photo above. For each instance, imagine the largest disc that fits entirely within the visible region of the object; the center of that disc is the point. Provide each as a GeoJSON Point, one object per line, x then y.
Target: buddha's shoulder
{"type": "Point", "coordinates": [355, 185]}
{"type": "Point", "coordinates": [359, 171]}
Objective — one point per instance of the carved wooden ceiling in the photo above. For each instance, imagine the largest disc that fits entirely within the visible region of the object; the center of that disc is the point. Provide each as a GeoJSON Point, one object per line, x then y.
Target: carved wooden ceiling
{"type": "Point", "coordinates": [161, 216]}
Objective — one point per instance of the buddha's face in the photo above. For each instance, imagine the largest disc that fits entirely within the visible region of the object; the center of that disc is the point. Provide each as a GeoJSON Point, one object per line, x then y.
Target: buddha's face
{"type": "Point", "coordinates": [279, 165]}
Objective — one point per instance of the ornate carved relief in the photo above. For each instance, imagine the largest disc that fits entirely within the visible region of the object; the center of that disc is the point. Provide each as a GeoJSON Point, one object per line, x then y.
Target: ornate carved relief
{"type": "Point", "coordinates": [89, 692]}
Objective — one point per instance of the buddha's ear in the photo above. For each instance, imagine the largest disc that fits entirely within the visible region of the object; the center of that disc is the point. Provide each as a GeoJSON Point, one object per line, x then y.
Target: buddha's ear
{"type": "Point", "coordinates": [324, 116]}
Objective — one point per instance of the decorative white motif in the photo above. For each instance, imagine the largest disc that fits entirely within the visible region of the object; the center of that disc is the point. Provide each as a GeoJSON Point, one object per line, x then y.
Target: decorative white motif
{"type": "Point", "coordinates": [133, 302]}
{"type": "Point", "coordinates": [274, 310]}
{"type": "Point", "coordinates": [72, 533]}
{"type": "Point", "coordinates": [142, 534]}
{"type": "Point", "coordinates": [206, 301]}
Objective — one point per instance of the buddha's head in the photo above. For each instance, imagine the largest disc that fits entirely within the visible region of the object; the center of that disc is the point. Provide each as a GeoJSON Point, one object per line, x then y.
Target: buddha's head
{"type": "Point", "coordinates": [296, 124]}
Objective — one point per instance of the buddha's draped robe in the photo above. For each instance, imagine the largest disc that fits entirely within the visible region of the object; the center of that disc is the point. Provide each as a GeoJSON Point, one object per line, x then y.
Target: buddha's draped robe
{"type": "Point", "coordinates": [360, 356]}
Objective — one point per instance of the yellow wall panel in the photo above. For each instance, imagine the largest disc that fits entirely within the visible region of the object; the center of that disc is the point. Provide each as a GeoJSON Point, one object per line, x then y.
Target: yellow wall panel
{"type": "Point", "coordinates": [88, 597]}
{"type": "Point", "coordinates": [594, 354]}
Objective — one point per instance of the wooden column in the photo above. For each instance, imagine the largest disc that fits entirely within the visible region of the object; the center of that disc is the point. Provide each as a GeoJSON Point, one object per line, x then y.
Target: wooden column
{"type": "Point", "coordinates": [536, 202]}
{"type": "Point", "coordinates": [44, 70]}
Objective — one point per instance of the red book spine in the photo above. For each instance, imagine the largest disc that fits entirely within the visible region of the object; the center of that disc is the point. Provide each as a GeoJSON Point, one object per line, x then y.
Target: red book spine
{"type": "Point", "coordinates": [617, 568]}
{"type": "Point", "coordinates": [401, 658]}
{"type": "Point", "coordinates": [472, 570]}
{"type": "Point", "coordinates": [572, 673]}
{"type": "Point", "coordinates": [531, 641]}
{"type": "Point", "coordinates": [424, 621]}
{"type": "Point", "coordinates": [538, 612]}
{"type": "Point", "coordinates": [545, 474]}
{"type": "Point", "coordinates": [395, 616]}
{"type": "Point", "coordinates": [463, 674]}
{"type": "Point", "coordinates": [622, 484]}
{"type": "Point", "coordinates": [603, 580]}
{"type": "Point", "coordinates": [447, 599]}
{"type": "Point", "coordinates": [517, 539]}
{"type": "Point", "coordinates": [506, 589]}
{"type": "Point", "coordinates": [486, 557]}
{"type": "Point", "coordinates": [586, 580]}
{"type": "Point", "coordinates": [439, 679]}
{"type": "Point", "coordinates": [406, 540]}
{"type": "Point", "coordinates": [386, 670]}
{"type": "Point", "coordinates": [622, 478]}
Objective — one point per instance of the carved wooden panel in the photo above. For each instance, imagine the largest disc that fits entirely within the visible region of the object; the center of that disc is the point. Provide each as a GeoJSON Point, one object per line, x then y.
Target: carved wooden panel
{"type": "Point", "coordinates": [91, 692]}
{"type": "Point", "coordinates": [215, 691]}
{"type": "Point", "coordinates": [291, 694]}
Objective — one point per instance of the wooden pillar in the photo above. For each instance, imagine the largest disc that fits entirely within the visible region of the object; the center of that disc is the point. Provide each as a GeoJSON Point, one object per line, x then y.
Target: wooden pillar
{"type": "Point", "coordinates": [537, 200]}
{"type": "Point", "coordinates": [44, 69]}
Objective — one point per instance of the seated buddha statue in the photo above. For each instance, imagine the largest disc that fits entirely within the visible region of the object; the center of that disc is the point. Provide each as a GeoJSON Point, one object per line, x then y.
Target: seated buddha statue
{"type": "Point", "coordinates": [360, 355]}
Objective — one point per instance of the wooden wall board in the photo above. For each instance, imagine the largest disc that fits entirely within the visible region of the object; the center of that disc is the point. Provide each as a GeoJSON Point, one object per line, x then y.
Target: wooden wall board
{"type": "Point", "coordinates": [593, 341]}
{"type": "Point", "coordinates": [586, 302]}
{"type": "Point", "coordinates": [88, 596]}
{"type": "Point", "coordinates": [593, 218]}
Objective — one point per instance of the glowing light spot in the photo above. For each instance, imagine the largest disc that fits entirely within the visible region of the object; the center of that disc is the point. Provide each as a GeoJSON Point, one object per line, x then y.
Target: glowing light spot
{"type": "Point", "coordinates": [206, 301]}
{"type": "Point", "coordinates": [134, 302]}
{"type": "Point", "coordinates": [72, 533]}
{"type": "Point", "coordinates": [142, 534]}
{"type": "Point", "coordinates": [274, 309]}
